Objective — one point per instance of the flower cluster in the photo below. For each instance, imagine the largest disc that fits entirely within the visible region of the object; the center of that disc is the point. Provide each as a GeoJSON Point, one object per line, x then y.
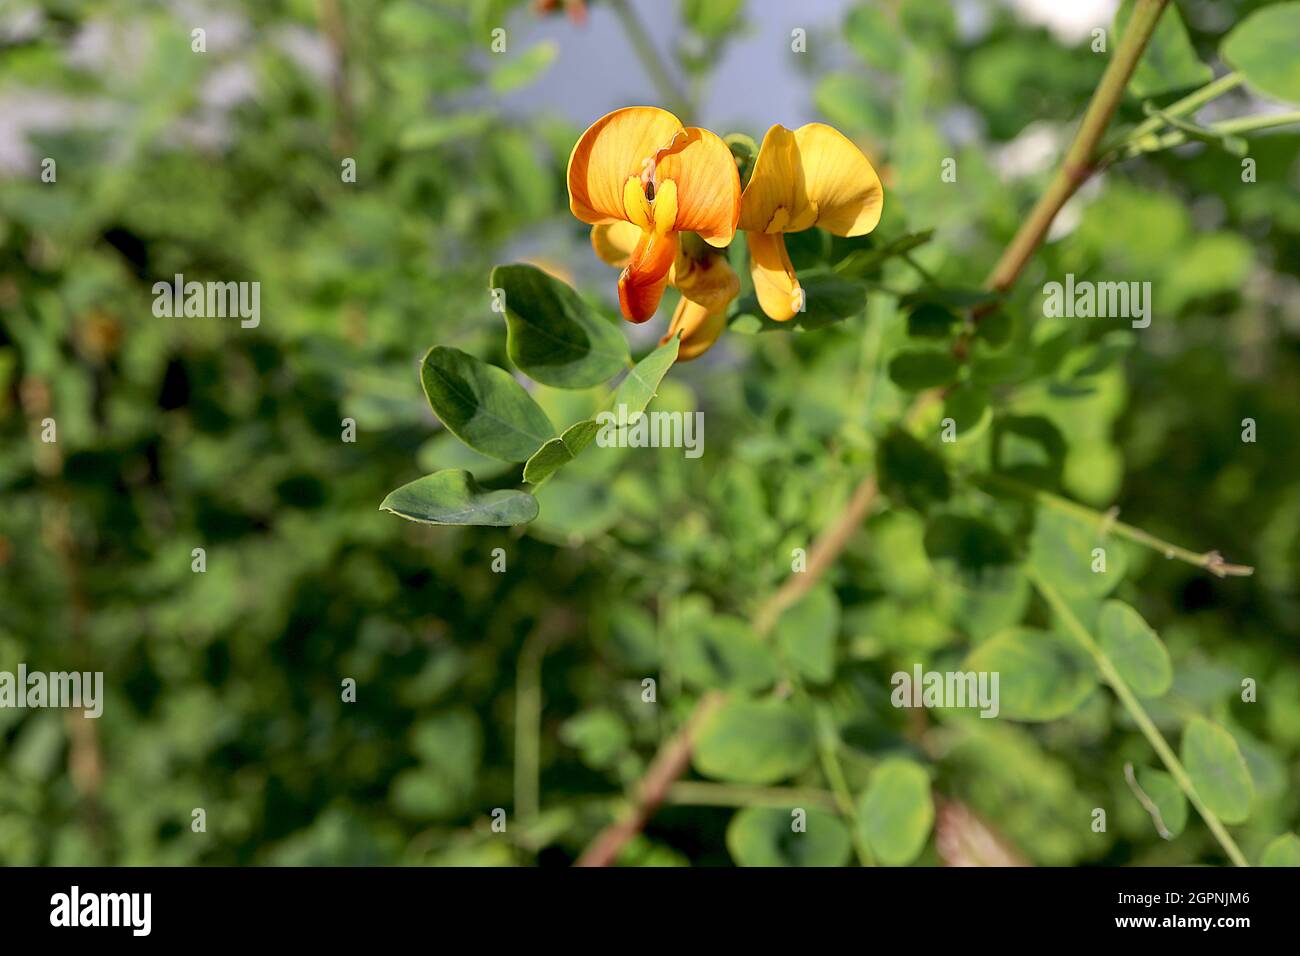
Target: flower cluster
{"type": "Point", "coordinates": [664, 199]}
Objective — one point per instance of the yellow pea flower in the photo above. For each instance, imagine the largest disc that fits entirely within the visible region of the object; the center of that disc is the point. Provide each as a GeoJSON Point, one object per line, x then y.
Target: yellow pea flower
{"type": "Point", "coordinates": [705, 279]}
{"type": "Point", "coordinates": [813, 176]}
{"type": "Point", "coordinates": [639, 165]}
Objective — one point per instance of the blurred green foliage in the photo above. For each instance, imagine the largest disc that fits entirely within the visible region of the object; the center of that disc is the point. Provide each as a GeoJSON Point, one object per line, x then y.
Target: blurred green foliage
{"type": "Point", "coordinates": [514, 678]}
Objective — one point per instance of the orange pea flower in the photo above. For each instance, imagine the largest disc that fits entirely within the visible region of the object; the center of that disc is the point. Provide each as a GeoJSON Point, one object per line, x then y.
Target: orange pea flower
{"type": "Point", "coordinates": [813, 176]}
{"type": "Point", "coordinates": [641, 167]}
{"type": "Point", "coordinates": [705, 279]}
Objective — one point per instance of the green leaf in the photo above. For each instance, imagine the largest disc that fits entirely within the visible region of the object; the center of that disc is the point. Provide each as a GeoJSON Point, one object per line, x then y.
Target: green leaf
{"type": "Point", "coordinates": [1218, 770]}
{"type": "Point", "coordinates": [828, 298]}
{"type": "Point", "coordinates": [454, 497]}
{"type": "Point", "coordinates": [1135, 650]}
{"type": "Point", "coordinates": [525, 68]}
{"type": "Point", "coordinates": [968, 407]}
{"type": "Point", "coordinates": [1170, 61]}
{"type": "Point", "coordinates": [929, 320]}
{"type": "Point", "coordinates": [1063, 551]}
{"type": "Point", "coordinates": [483, 405]}
{"type": "Point", "coordinates": [1168, 797]}
{"type": "Point", "coordinates": [765, 836]}
{"type": "Point", "coordinates": [1041, 675]}
{"type": "Point", "coordinates": [758, 742]}
{"type": "Point", "coordinates": [806, 633]}
{"type": "Point", "coordinates": [718, 652]}
{"type": "Point", "coordinates": [554, 337]}
{"type": "Point", "coordinates": [642, 381]}
{"type": "Point", "coordinates": [896, 812]}
{"type": "Point", "coordinates": [558, 452]}
{"type": "Point", "coordinates": [600, 734]}
{"type": "Point", "coordinates": [914, 370]}
{"type": "Point", "coordinates": [911, 472]}
{"type": "Point", "coordinates": [1263, 47]}
{"type": "Point", "coordinates": [1282, 851]}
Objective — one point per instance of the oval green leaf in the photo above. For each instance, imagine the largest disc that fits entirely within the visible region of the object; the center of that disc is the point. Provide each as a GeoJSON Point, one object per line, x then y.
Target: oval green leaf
{"type": "Point", "coordinates": [1263, 46]}
{"type": "Point", "coordinates": [1218, 770]}
{"type": "Point", "coordinates": [1074, 556]}
{"type": "Point", "coordinates": [642, 381]}
{"type": "Point", "coordinates": [553, 336]}
{"type": "Point", "coordinates": [454, 497]}
{"type": "Point", "coordinates": [896, 812]}
{"type": "Point", "coordinates": [558, 452]}
{"type": "Point", "coordinates": [917, 369]}
{"type": "Point", "coordinates": [1135, 650]}
{"type": "Point", "coordinates": [765, 836]}
{"type": "Point", "coordinates": [1170, 803]}
{"type": "Point", "coordinates": [1283, 851]}
{"type": "Point", "coordinates": [483, 405]}
{"type": "Point", "coordinates": [1041, 675]}
{"type": "Point", "coordinates": [806, 633]}
{"type": "Point", "coordinates": [724, 652]}
{"type": "Point", "coordinates": [758, 742]}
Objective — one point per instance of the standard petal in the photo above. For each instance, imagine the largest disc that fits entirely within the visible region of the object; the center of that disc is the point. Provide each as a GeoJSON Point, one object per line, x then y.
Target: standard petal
{"type": "Point", "coordinates": [813, 176]}
{"type": "Point", "coordinates": [701, 167]}
{"type": "Point", "coordinates": [840, 182]}
{"type": "Point", "coordinates": [772, 192]}
{"type": "Point", "coordinates": [641, 284]}
{"type": "Point", "coordinates": [614, 242]}
{"type": "Point", "coordinates": [616, 147]}
{"type": "Point", "coordinates": [775, 283]}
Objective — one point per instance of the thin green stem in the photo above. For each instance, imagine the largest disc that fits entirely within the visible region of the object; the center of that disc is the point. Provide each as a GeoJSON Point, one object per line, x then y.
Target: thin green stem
{"type": "Point", "coordinates": [1211, 561]}
{"type": "Point", "coordinates": [1249, 124]}
{"type": "Point", "coordinates": [654, 65]}
{"type": "Point", "coordinates": [1185, 107]}
{"type": "Point", "coordinates": [1080, 160]}
{"type": "Point", "coordinates": [1140, 717]}
{"type": "Point", "coordinates": [828, 743]}
{"type": "Point", "coordinates": [1244, 124]}
{"type": "Point", "coordinates": [696, 794]}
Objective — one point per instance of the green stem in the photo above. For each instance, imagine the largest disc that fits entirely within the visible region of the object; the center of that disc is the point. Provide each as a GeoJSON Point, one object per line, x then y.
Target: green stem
{"type": "Point", "coordinates": [1079, 161]}
{"type": "Point", "coordinates": [1248, 124]}
{"type": "Point", "coordinates": [1186, 106]}
{"type": "Point", "coordinates": [828, 742]}
{"type": "Point", "coordinates": [1211, 561]}
{"type": "Point", "coordinates": [691, 793]}
{"type": "Point", "coordinates": [1139, 715]}
{"type": "Point", "coordinates": [1244, 124]}
{"type": "Point", "coordinates": [654, 65]}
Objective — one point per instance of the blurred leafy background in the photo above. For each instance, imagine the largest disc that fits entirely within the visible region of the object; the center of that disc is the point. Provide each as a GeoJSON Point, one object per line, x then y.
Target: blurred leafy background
{"type": "Point", "coordinates": [522, 690]}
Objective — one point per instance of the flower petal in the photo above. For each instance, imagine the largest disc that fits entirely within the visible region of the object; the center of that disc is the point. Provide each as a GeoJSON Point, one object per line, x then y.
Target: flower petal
{"type": "Point", "coordinates": [641, 284]}
{"type": "Point", "coordinates": [699, 328]}
{"type": "Point", "coordinates": [707, 289]}
{"type": "Point", "coordinates": [775, 283]}
{"type": "Point", "coordinates": [614, 242]}
{"type": "Point", "coordinates": [814, 176]}
{"type": "Point", "coordinates": [703, 170]}
{"type": "Point", "coordinates": [615, 148]}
